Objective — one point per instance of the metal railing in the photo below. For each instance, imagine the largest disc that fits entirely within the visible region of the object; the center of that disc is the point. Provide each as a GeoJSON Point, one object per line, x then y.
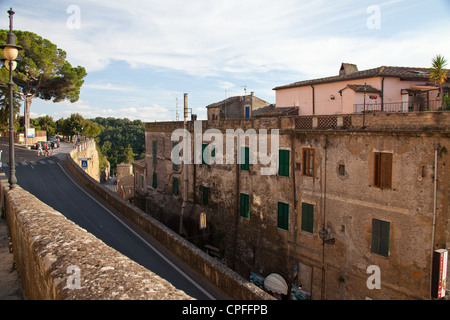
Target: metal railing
{"type": "Point", "coordinates": [411, 106]}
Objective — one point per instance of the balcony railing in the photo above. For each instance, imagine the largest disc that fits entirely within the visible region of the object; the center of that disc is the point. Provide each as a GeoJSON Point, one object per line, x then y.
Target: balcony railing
{"type": "Point", "coordinates": [411, 106]}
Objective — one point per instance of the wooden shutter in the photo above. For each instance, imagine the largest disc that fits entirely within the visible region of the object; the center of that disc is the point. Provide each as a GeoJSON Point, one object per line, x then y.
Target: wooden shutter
{"type": "Point", "coordinates": [244, 208]}
{"type": "Point", "coordinates": [386, 170]}
{"type": "Point", "coordinates": [284, 157]}
{"type": "Point", "coordinates": [175, 186]}
{"type": "Point", "coordinates": [380, 237]}
{"type": "Point", "coordinates": [154, 152]}
{"type": "Point", "coordinates": [283, 215]}
{"type": "Point", "coordinates": [245, 157]}
{"type": "Point", "coordinates": [307, 217]}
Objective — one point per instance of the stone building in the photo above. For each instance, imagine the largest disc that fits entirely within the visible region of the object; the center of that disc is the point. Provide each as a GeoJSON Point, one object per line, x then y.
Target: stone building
{"type": "Point", "coordinates": [236, 107]}
{"type": "Point", "coordinates": [353, 197]}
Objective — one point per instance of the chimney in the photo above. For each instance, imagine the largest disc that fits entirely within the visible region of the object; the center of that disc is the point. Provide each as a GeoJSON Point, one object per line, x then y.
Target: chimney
{"type": "Point", "coordinates": [185, 107]}
{"type": "Point", "coordinates": [347, 68]}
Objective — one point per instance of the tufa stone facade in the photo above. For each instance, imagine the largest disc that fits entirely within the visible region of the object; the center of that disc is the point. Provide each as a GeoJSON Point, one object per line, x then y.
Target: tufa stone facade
{"type": "Point", "coordinates": [351, 192]}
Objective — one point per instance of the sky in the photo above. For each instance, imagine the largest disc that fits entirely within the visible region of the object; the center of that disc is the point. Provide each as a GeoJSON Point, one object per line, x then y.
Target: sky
{"type": "Point", "coordinates": [142, 56]}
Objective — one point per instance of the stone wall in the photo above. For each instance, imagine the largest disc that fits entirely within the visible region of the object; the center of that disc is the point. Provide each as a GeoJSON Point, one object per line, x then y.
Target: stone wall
{"type": "Point", "coordinates": [87, 150]}
{"type": "Point", "coordinates": [233, 285]}
{"type": "Point", "coordinates": [57, 260]}
{"type": "Point", "coordinates": [340, 191]}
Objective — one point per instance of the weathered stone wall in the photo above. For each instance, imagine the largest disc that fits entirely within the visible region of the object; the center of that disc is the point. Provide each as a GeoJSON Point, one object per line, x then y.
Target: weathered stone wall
{"type": "Point", "coordinates": [344, 204]}
{"type": "Point", "coordinates": [87, 150]}
{"type": "Point", "coordinates": [225, 279]}
{"type": "Point", "coordinates": [51, 252]}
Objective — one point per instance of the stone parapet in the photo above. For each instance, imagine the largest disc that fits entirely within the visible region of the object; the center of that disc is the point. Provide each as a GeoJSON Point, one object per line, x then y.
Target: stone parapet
{"type": "Point", "coordinates": [58, 260]}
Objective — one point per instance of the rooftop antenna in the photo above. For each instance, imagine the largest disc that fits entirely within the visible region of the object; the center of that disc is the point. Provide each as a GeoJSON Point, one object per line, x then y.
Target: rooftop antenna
{"type": "Point", "coordinates": [177, 117]}
{"type": "Point", "coordinates": [245, 89]}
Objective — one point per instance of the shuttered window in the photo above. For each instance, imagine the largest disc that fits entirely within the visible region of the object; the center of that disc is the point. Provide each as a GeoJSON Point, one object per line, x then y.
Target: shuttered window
{"type": "Point", "coordinates": [283, 216]}
{"type": "Point", "coordinates": [155, 181]}
{"type": "Point", "coordinates": [283, 169]}
{"type": "Point", "coordinates": [308, 162]}
{"type": "Point", "coordinates": [244, 207]}
{"type": "Point", "coordinates": [307, 217]}
{"type": "Point", "coordinates": [380, 237]}
{"type": "Point", "coordinates": [245, 158]}
{"type": "Point", "coordinates": [154, 151]}
{"type": "Point", "coordinates": [175, 186]}
{"type": "Point", "coordinates": [205, 192]}
{"type": "Point", "coordinates": [175, 166]}
{"type": "Point", "coordinates": [383, 170]}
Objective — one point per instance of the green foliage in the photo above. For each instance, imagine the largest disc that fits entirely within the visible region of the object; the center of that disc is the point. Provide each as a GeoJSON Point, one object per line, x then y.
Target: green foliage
{"type": "Point", "coordinates": [42, 71]}
{"type": "Point", "coordinates": [119, 140]}
{"type": "Point", "coordinates": [45, 123]}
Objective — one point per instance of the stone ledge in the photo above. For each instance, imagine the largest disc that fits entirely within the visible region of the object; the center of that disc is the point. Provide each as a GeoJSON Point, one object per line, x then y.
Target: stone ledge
{"type": "Point", "coordinates": [51, 252]}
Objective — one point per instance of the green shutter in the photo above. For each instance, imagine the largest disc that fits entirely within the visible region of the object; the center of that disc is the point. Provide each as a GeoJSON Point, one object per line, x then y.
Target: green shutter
{"type": "Point", "coordinates": [283, 216]}
{"type": "Point", "coordinates": [204, 158]}
{"type": "Point", "coordinates": [380, 237]}
{"type": "Point", "coordinates": [245, 155]}
{"type": "Point", "coordinates": [155, 181]}
{"type": "Point", "coordinates": [307, 217]}
{"type": "Point", "coordinates": [244, 207]}
{"type": "Point", "coordinates": [154, 152]}
{"type": "Point", "coordinates": [175, 166]}
{"type": "Point", "coordinates": [175, 186]}
{"type": "Point", "coordinates": [205, 192]}
{"type": "Point", "coordinates": [283, 159]}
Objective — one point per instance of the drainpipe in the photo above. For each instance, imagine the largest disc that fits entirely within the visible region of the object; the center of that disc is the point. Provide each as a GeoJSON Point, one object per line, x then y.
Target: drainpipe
{"type": "Point", "coordinates": [382, 94]}
{"type": "Point", "coordinates": [185, 168]}
{"type": "Point", "coordinates": [437, 145]}
{"type": "Point", "coordinates": [313, 100]}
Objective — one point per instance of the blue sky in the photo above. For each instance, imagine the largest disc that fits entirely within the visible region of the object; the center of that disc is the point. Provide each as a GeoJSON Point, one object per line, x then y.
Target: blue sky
{"type": "Point", "coordinates": [142, 56]}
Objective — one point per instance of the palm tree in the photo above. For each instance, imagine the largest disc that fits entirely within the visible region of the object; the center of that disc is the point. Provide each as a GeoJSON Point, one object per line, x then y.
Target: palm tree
{"type": "Point", "coordinates": [438, 73]}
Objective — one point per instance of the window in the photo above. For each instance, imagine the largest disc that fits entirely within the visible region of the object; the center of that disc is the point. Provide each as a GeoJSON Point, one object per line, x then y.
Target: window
{"type": "Point", "coordinates": [380, 237]}
{"type": "Point", "coordinates": [142, 182]}
{"type": "Point", "coordinates": [342, 170]}
{"type": "Point", "coordinates": [283, 216]}
{"type": "Point", "coordinates": [245, 158]}
{"type": "Point", "coordinates": [283, 169]}
{"type": "Point", "coordinates": [205, 158]}
{"type": "Point", "coordinates": [154, 152]}
{"type": "Point", "coordinates": [205, 191]}
{"type": "Point", "coordinates": [383, 170]}
{"type": "Point", "coordinates": [175, 186]}
{"type": "Point", "coordinates": [175, 166]}
{"type": "Point", "coordinates": [244, 207]}
{"type": "Point", "coordinates": [247, 112]}
{"type": "Point", "coordinates": [155, 181]}
{"type": "Point", "coordinates": [307, 217]}
{"type": "Point", "coordinates": [308, 162]}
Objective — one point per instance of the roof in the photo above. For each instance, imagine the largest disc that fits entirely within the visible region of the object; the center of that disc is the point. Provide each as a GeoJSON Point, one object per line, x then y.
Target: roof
{"type": "Point", "coordinates": [362, 88]}
{"type": "Point", "coordinates": [273, 111]}
{"type": "Point", "coordinates": [404, 73]}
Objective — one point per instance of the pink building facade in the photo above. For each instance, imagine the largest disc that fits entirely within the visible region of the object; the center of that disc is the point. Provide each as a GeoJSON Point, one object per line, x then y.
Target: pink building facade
{"type": "Point", "coordinates": [390, 89]}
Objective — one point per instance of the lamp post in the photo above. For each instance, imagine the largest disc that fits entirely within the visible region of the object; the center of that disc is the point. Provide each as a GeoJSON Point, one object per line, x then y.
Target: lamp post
{"type": "Point", "coordinates": [11, 50]}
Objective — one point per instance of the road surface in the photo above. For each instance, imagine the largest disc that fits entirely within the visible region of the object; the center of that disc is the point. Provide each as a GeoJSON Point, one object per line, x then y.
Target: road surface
{"type": "Point", "coordinates": [47, 179]}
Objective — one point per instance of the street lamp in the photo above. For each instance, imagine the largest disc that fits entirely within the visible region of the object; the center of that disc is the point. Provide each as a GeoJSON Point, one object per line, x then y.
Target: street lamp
{"type": "Point", "coordinates": [11, 50]}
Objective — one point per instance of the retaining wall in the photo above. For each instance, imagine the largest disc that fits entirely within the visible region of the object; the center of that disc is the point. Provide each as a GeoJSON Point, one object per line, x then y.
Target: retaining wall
{"type": "Point", "coordinates": [58, 260]}
{"type": "Point", "coordinates": [218, 274]}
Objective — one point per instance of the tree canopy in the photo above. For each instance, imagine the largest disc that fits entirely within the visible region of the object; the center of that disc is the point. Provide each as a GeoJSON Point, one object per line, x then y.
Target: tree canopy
{"type": "Point", "coordinates": [42, 71]}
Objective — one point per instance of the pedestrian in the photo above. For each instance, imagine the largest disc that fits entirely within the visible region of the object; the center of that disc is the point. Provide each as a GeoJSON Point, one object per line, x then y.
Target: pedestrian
{"type": "Point", "coordinates": [46, 150]}
{"type": "Point", "coordinates": [40, 150]}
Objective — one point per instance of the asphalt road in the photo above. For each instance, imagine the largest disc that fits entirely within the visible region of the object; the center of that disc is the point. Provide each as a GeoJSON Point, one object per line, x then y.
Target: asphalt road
{"type": "Point", "coordinates": [47, 179]}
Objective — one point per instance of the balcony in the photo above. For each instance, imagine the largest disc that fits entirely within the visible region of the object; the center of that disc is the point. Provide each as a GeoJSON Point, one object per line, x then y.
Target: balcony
{"type": "Point", "coordinates": [411, 106]}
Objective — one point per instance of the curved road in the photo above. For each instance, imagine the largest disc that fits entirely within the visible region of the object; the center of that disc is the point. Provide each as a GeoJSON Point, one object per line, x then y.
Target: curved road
{"type": "Point", "coordinates": [47, 179]}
